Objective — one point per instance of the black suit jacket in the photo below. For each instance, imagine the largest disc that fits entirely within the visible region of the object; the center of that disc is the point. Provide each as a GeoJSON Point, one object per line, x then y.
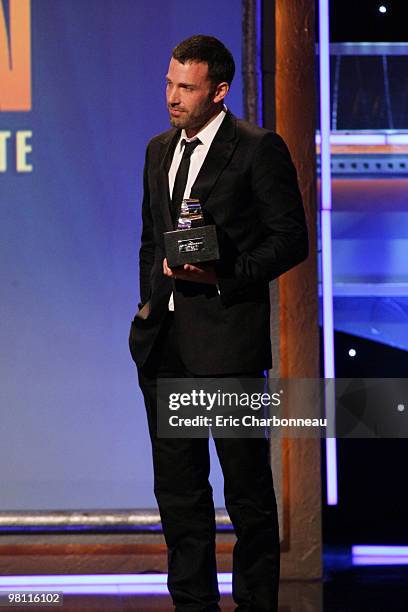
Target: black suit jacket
{"type": "Point", "coordinates": [247, 186]}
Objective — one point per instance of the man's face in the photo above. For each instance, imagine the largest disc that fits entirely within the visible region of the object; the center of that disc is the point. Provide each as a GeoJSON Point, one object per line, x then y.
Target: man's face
{"type": "Point", "coordinates": [190, 95]}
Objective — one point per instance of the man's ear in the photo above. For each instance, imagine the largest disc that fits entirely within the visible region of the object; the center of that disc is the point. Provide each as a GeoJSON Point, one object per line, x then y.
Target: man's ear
{"type": "Point", "coordinates": [220, 92]}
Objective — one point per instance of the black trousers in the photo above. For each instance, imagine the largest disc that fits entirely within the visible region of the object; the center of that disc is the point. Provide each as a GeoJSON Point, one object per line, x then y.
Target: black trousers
{"type": "Point", "coordinates": [184, 497]}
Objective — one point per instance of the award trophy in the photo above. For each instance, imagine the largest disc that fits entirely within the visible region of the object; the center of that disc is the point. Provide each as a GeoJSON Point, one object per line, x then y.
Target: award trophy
{"type": "Point", "coordinates": [192, 241]}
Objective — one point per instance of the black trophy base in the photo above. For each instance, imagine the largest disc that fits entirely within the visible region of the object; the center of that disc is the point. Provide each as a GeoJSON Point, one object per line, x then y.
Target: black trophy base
{"type": "Point", "coordinates": [195, 245]}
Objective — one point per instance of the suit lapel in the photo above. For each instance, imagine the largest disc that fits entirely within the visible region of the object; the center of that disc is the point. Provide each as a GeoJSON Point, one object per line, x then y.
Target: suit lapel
{"type": "Point", "coordinates": [168, 146]}
{"type": "Point", "coordinates": [218, 156]}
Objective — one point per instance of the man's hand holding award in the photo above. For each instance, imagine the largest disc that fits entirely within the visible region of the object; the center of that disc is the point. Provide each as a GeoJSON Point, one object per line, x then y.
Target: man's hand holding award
{"type": "Point", "coordinates": [192, 242]}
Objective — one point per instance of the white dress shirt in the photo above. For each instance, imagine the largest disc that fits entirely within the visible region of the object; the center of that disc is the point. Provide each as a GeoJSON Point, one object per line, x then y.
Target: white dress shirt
{"type": "Point", "coordinates": [206, 136]}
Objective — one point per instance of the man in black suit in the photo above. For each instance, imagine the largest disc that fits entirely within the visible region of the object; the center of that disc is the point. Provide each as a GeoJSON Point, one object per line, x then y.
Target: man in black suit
{"type": "Point", "coordinates": [213, 319]}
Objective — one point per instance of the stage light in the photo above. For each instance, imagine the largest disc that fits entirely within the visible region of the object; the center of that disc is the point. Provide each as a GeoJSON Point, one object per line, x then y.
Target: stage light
{"type": "Point", "coordinates": [382, 9]}
{"type": "Point", "coordinates": [366, 139]}
{"type": "Point", "coordinates": [379, 560]}
{"type": "Point", "coordinates": [325, 216]}
{"type": "Point", "coordinates": [379, 550]}
{"type": "Point", "coordinates": [379, 555]}
{"type": "Point", "coordinates": [100, 584]}
{"type": "Point", "coordinates": [352, 352]}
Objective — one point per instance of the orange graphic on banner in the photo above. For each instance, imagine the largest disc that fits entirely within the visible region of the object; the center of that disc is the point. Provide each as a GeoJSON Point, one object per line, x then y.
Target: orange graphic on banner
{"type": "Point", "coordinates": [15, 57]}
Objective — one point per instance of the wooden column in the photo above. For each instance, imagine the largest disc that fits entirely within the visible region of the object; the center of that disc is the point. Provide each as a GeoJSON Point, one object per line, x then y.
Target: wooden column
{"type": "Point", "coordinates": [283, 39]}
{"type": "Point", "coordinates": [295, 109]}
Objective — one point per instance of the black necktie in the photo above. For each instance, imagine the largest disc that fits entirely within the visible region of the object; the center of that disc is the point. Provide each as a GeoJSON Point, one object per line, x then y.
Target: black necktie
{"type": "Point", "coordinates": [180, 181]}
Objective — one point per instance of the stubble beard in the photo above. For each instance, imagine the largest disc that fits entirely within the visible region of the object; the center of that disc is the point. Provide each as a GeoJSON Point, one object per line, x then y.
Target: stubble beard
{"type": "Point", "coordinates": [185, 121]}
{"type": "Point", "coordinates": [188, 121]}
{"type": "Point", "coordinates": [175, 122]}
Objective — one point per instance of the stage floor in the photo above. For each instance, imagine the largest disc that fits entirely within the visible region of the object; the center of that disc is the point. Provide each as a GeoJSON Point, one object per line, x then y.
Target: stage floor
{"type": "Point", "coordinates": [344, 588]}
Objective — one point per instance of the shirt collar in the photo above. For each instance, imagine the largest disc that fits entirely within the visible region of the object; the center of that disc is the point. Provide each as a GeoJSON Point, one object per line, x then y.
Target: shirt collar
{"type": "Point", "coordinates": [207, 134]}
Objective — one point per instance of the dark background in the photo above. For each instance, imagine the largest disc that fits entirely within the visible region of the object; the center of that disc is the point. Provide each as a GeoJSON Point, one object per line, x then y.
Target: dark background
{"type": "Point", "coordinates": [361, 21]}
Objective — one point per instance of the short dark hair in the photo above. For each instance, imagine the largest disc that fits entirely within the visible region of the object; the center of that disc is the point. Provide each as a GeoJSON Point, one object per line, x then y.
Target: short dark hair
{"type": "Point", "coordinates": [201, 48]}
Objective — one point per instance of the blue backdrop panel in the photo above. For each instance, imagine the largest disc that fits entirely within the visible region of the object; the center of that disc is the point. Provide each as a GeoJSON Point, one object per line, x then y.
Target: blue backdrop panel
{"type": "Point", "coordinates": [73, 429]}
